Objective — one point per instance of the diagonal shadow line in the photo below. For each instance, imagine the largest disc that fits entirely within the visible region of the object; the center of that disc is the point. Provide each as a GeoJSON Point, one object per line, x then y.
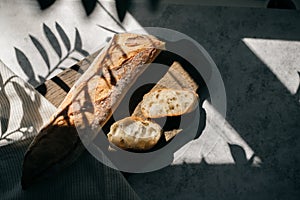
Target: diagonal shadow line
{"type": "Point", "coordinates": [111, 16]}
{"type": "Point", "coordinates": [108, 29]}
{"type": "Point", "coordinates": [61, 83]}
{"type": "Point", "coordinates": [77, 69]}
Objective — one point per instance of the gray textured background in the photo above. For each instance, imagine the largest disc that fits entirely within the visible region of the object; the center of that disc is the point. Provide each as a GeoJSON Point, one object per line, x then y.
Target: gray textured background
{"type": "Point", "coordinates": [257, 51]}
{"type": "Point", "coordinates": [260, 107]}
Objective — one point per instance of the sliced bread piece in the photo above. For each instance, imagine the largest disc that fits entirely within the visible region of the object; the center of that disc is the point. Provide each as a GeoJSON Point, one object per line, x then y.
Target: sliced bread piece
{"type": "Point", "coordinates": [168, 102]}
{"type": "Point", "coordinates": [134, 133]}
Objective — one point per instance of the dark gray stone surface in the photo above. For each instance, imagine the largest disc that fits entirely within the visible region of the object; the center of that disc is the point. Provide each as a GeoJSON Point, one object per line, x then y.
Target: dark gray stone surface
{"type": "Point", "coordinates": [260, 108]}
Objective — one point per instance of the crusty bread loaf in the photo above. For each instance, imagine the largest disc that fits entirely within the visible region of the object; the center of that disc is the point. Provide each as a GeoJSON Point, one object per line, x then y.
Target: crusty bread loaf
{"type": "Point", "coordinates": [90, 103]}
{"type": "Point", "coordinates": [134, 133]}
{"type": "Point", "coordinates": [168, 102]}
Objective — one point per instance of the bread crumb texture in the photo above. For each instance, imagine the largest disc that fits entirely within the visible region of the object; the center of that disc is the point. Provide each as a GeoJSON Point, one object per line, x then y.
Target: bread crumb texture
{"type": "Point", "coordinates": [134, 133]}
{"type": "Point", "coordinates": [168, 102]}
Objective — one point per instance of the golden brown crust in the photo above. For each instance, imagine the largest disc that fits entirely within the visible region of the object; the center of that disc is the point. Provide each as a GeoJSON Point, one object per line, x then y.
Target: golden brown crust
{"type": "Point", "coordinates": [99, 90]}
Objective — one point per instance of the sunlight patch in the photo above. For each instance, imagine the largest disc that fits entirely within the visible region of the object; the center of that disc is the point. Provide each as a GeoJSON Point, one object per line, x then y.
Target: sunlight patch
{"type": "Point", "coordinates": [281, 57]}
{"type": "Point", "coordinates": [219, 144]}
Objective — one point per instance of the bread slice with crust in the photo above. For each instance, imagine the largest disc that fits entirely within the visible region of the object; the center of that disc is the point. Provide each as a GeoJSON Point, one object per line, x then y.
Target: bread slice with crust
{"type": "Point", "coordinates": [168, 102]}
{"type": "Point", "coordinates": [176, 78]}
{"type": "Point", "coordinates": [134, 133]}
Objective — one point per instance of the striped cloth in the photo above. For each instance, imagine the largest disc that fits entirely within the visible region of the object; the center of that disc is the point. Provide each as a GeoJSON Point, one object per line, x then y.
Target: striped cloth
{"type": "Point", "coordinates": [22, 112]}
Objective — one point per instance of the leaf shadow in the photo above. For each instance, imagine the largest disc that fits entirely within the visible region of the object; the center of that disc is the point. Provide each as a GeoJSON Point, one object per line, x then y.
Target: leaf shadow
{"type": "Point", "coordinates": [31, 114]}
{"type": "Point", "coordinates": [32, 102]}
{"type": "Point", "coordinates": [41, 50]}
{"type": "Point", "coordinates": [122, 6]}
{"type": "Point", "coordinates": [26, 66]}
{"type": "Point", "coordinates": [63, 36]}
{"type": "Point", "coordinates": [4, 108]}
{"type": "Point", "coordinates": [78, 44]}
{"type": "Point", "coordinates": [61, 83]}
{"type": "Point", "coordinates": [44, 4]}
{"type": "Point", "coordinates": [281, 4]}
{"type": "Point", "coordinates": [298, 90]}
{"type": "Point", "coordinates": [89, 6]}
{"type": "Point", "coordinates": [52, 40]}
{"type": "Point", "coordinates": [238, 154]}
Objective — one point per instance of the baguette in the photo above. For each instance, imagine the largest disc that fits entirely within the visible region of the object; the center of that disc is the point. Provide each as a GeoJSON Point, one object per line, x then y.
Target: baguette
{"type": "Point", "coordinates": [90, 102]}
{"type": "Point", "coordinates": [134, 133]}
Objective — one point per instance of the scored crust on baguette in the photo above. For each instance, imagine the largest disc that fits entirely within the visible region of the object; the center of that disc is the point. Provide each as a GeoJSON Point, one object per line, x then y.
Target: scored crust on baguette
{"type": "Point", "coordinates": [90, 102]}
{"type": "Point", "coordinates": [168, 102]}
{"type": "Point", "coordinates": [134, 133]}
